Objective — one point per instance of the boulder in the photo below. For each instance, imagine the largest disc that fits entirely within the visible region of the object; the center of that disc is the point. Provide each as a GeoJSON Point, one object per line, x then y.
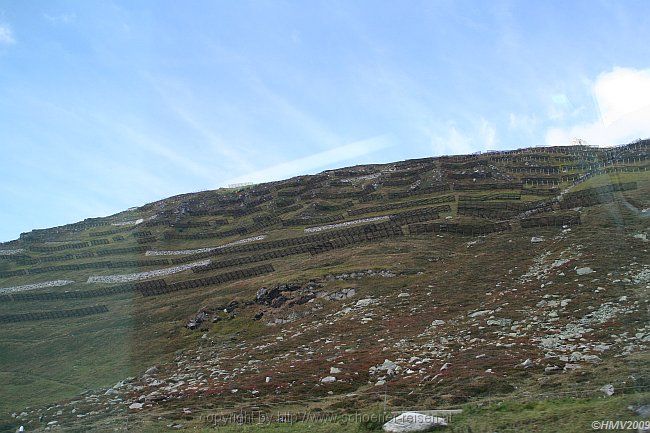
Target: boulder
{"type": "Point", "coordinates": [278, 301]}
{"type": "Point", "coordinates": [527, 363]}
{"type": "Point", "coordinates": [584, 271]}
{"type": "Point", "coordinates": [197, 320]}
{"type": "Point", "coordinates": [608, 389]}
{"type": "Point", "coordinates": [342, 294]}
{"type": "Point", "coordinates": [265, 296]}
{"type": "Point", "coordinates": [413, 422]}
{"type": "Point", "coordinates": [362, 303]}
{"type": "Point", "coordinates": [643, 411]}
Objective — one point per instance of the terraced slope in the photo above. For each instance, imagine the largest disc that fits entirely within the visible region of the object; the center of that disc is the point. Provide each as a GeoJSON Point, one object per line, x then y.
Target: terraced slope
{"type": "Point", "coordinates": [425, 283]}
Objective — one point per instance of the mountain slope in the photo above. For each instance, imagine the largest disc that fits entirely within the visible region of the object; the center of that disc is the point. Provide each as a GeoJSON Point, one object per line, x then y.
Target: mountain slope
{"type": "Point", "coordinates": [423, 283]}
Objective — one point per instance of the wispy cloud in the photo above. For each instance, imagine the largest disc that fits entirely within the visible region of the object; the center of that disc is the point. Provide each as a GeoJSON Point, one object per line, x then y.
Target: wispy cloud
{"type": "Point", "coordinates": [157, 147]}
{"type": "Point", "coordinates": [320, 160]}
{"type": "Point", "coordinates": [6, 35]}
{"type": "Point", "coordinates": [62, 18]}
{"type": "Point", "coordinates": [523, 123]}
{"type": "Point", "coordinates": [173, 94]}
{"type": "Point", "coordinates": [622, 96]}
{"type": "Point", "coordinates": [482, 135]}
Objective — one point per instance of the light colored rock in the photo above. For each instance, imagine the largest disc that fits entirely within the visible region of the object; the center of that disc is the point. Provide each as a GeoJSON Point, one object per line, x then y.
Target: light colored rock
{"type": "Point", "coordinates": [362, 303]}
{"type": "Point", "coordinates": [125, 278]}
{"type": "Point", "coordinates": [413, 422]}
{"type": "Point", "coordinates": [347, 224]}
{"type": "Point", "coordinates": [328, 379]}
{"type": "Point", "coordinates": [527, 363]}
{"type": "Point", "coordinates": [536, 239]}
{"type": "Point", "coordinates": [551, 369]}
{"type": "Point", "coordinates": [203, 250]}
{"type": "Point", "coordinates": [11, 252]}
{"type": "Point", "coordinates": [136, 406]}
{"type": "Point", "coordinates": [584, 271]}
{"type": "Point", "coordinates": [643, 411]}
{"type": "Point", "coordinates": [388, 365]}
{"type": "Point", "coordinates": [46, 284]}
{"type": "Point", "coordinates": [480, 313]}
{"type": "Point", "coordinates": [334, 370]}
{"type": "Point", "coordinates": [499, 322]}
{"type": "Point", "coordinates": [608, 389]}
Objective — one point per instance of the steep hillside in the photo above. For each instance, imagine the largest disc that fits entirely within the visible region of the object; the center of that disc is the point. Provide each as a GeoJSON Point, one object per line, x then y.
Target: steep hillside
{"type": "Point", "coordinates": [482, 282]}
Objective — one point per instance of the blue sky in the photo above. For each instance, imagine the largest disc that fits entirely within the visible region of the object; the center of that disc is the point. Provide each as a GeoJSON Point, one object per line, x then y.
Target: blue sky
{"type": "Point", "coordinates": [106, 105]}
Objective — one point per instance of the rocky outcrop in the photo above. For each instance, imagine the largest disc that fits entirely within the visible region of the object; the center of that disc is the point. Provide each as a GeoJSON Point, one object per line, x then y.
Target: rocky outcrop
{"type": "Point", "coordinates": [413, 422]}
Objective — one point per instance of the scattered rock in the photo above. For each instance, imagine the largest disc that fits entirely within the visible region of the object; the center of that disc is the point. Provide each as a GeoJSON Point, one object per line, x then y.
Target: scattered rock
{"type": "Point", "coordinates": [608, 389]}
{"type": "Point", "coordinates": [499, 322]}
{"type": "Point", "coordinates": [643, 411]}
{"type": "Point", "coordinates": [480, 313]}
{"type": "Point", "coordinates": [584, 271]}
{"type": "Point", "coordinates": [341, 294]}
{"type": "Point", "coordinates": [197, 320]}
{"type": "Point", "coordinates": [527, 363]}
{"type": "Point", "coordinates": [413, 422]}
{"type": "Point", "coordinates": [362, 303]}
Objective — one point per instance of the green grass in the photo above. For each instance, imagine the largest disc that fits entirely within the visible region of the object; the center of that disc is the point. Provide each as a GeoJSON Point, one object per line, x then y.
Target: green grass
{"type": "Point", "coordinates": [570, 415]}
{"type": "Point", "coordinates": [567, 415]}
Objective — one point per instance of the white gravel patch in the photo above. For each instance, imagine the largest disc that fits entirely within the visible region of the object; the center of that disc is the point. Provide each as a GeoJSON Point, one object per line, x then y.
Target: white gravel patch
{"type": "Point", "coordinates": [347, 223]}
{"type": "Point", "coordinates": [361, 178]}
{"type": "Point", "coordinates": [202, 250]}
{"type": "Point", "coordinates": [125, 278]}
{"type": "Point", "coordinates": [128, 223]}
{"type": "Point", "coordinates": [11, 252]}
{"type": "Point", "coordinates": [56, 283]}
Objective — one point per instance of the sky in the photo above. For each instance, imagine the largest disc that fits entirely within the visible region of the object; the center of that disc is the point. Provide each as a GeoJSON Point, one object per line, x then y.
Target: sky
{"type": "Point", "coordinates": [105, 105]}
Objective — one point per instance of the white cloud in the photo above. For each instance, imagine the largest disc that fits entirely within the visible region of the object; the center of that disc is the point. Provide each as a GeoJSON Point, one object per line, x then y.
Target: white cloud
{"type": "Point", "coordinates": [487, 135]}
{"type": "Point", "coordinates": [481, 136]}
{"type": "Point", "coordinates": [320, 160]}
{"type": "Point", "coordinates": [64, 18]}
{"type": "Point", "coordinates": [623, 99]}
{"type": "Point", "coordinates": [523, 122]}
{"type": "Point", "coordinates": [6, 35]}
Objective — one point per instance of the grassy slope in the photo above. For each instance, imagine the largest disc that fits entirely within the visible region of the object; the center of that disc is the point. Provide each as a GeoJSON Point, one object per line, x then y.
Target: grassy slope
{"type": "Point", "coordinates": [46, 361]}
